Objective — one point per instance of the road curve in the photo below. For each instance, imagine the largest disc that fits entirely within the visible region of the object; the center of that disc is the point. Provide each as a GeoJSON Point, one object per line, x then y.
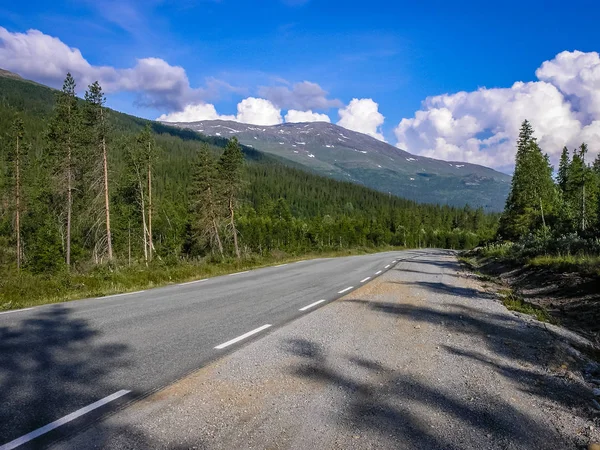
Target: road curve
{"type": "Point", "coordinates": [64, 365]}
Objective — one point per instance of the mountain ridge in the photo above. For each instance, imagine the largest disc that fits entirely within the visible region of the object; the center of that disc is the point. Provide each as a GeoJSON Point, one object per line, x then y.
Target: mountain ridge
{"type": "Point", "coordinates": [348, 155]}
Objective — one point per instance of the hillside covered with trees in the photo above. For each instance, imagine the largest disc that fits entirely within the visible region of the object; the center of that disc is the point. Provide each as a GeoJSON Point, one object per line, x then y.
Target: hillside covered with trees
{"type": "Point", "coordinates": [87, 190]}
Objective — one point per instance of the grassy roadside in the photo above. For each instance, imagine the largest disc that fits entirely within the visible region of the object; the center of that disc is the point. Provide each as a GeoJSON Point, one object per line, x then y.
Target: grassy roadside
{"type": "Point", "coordinates": [25, 289]}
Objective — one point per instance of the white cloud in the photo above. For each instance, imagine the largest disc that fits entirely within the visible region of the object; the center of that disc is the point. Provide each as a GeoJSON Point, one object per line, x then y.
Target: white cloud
{"type": "Point", "coordinates": [294, 116]}
{"type": "Point", "coordinates": [482, 126]}
{"type": "Point", "coordinates": [47, 59]}
{"type": "Point", "coordinates": [195, 113]}
{"type": "Point", "coordinates": [255, 111]}
{"type": "Point", "coordinates": [258, 111]}
{"type": "Point", "coordinates": [302, 96]}
{"type": "Point", "coordinates": [362, 115]}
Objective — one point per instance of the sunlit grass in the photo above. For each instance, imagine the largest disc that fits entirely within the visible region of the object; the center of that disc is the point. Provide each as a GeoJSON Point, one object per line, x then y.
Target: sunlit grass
{"type": "Point", "coordinates": [25, 289]}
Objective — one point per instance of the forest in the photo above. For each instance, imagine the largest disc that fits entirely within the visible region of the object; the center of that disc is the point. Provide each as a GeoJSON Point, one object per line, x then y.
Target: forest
{"type": "Point", "coordinates": [88, 193]}
{"type": "Point", "coordinates": [551, 218]}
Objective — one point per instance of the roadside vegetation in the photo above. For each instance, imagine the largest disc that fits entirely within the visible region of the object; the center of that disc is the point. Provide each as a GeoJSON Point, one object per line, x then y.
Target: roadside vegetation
{"type": "Point", "coordinates": [550, 222]}
{"type": "Point", "coordinates": [547, 248]}
{"type": "Point", "coordinates": [95, 202]}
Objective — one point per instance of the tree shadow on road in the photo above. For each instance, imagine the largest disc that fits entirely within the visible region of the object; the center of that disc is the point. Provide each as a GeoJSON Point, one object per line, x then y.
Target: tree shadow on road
{"type": "Point", "coordinates": [51, 365]}
{"type": "Point", "coordinates": [397, 407]}
{"type": "Point", "coordinates": [541, 358]}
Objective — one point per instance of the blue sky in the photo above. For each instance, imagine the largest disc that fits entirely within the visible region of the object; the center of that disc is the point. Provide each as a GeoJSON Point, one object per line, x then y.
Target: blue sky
{"type": "Point", "coordinates": [395, 53]}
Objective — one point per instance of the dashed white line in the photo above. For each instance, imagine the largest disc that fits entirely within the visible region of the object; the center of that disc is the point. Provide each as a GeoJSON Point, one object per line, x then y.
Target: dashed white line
{"type": "Point", "coordinates": [122, 295]}
{"type": "Point", "coordinates": [393, 262]}
{"type": "Point", "coordinates": [302, 260]}
{"type": "Point", "coordinates": [15, 310]}
{"type": "Point", "coordinates": [242, 337]}
{"type": "Point", "coordinates": [386, 266]}
{"type": "Point", "coordinates": [238, 273]}
{"type": "Point", "coordinates": [377, 273]}
{"type": "Point", "coordinates": [366, 279]}
{"type": "Point", "coordinates": [63, 420]}
{"type": "Point", "coordinates": [193, 282]}
{"type": "Point", "coordinates": [345, 290]}
{"type": "Point", "coordinates": [311, 305]}
{"type": "Point", "coordinates": [281, 265]}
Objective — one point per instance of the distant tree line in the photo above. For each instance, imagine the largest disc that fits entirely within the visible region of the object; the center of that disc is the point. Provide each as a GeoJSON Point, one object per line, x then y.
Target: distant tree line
{"type": "Point", "coordinates": [83, 186]}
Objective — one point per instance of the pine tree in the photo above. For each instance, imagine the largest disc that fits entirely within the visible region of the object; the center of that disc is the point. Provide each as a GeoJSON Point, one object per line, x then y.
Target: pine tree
{"type": "Point", "coordinates": [148, 151]}
{"type": "Point", "coordinates": [141, 154]}
{"type": "Point", "coordinates": [65, 136]}
{"type": "Point", "coordinates": [98, 127]}
{"type": "Point", "coordinates": [205, 198]}
{"type": "Point", "coordinates": [230, 174]}
{"type": "Point", "coordinates": [18, 133]}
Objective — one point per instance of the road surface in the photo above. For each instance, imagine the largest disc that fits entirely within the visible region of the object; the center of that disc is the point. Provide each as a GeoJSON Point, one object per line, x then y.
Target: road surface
{"type": "Point", "coordinates": [62, 366]}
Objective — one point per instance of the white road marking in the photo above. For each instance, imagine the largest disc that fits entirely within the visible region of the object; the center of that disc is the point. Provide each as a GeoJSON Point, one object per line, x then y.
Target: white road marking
{"type": "Point", "coordinates": [122, 295]}
{"type": "Point", "coordinates": [281, 265]}
{"type": "Point", "coordinates": [366, 279]}
{"type": "Point", "coordinates": [15, 310]}
{"type": "Point", "coordinates": [345, 290]}
{"type": "Point", "coordinates": [238, 273]}
{"type": "Point", "coordinates": [302, 260]}
{"type": "Point", "coordinates": [377, 273]}
{"type": "Point", "coordinates": [63, 420]}
{"type": "Point", "coordinates": [393, 262]}
{"type": "Point", "coordinates": [193, 282]}
{"type": "Point", "coordinates": [386, 266]}
{"type": "Point", "coordinates": [240, 338]}
{"type": "Point", "coordinates": [311, 305]}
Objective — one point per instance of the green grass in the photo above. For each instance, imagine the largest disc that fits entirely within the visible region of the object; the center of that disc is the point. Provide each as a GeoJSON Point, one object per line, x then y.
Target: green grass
{"type": "Point", "coordinates": [515, 303]}
{"type": "Point", "coordinates": [584, 264]}
{"type": "Point", "coordinates": [25, 289]}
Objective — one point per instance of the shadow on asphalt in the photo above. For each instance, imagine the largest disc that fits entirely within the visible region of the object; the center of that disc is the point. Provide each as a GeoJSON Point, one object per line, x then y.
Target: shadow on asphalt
{"type": "Point", "coordinates": [389, 403]}
{"type": "Point", "coordinates": [50, 366]}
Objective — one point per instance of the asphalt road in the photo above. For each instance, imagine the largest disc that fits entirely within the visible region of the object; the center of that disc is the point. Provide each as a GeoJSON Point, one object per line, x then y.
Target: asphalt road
{"type": "Point", "coordinates": [57, 359]}
{"type": "Point", "coordinates": [423, 357]}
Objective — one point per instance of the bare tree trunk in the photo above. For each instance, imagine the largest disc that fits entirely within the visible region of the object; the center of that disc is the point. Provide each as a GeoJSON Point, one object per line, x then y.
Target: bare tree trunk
{"type": "Point", "coordinates": [217, 237]}
{"type": "Point", "coordinates": [129, 243]}
{"type": "Point", "coordinates": [69, 204]}
{"type": "Point", "coordinates": [143, 208]}
{"type": "Point", "coordinates": [18, 202]}
{"type": "Point", "coordinates": [106, 198]}
{"type": "Point", "coordinates": [150, 244]}
{"type": "Point", "coordinates": [233, 229]}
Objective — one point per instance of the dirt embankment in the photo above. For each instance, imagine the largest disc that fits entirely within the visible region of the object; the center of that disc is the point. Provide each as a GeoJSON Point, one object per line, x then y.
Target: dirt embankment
{"type": "Point", "coordinates": [571, 298]}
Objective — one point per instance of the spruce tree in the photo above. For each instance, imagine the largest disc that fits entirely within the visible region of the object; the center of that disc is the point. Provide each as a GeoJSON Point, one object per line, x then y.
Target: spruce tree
{"type": "Point", "coordinates": [205, 196]}
{"type": "Point", "coordinates": [230, 174]}
{"type": "Point", "coordinates": [563, 170]}
{"type": "Point", "coordinates": [532, 198]}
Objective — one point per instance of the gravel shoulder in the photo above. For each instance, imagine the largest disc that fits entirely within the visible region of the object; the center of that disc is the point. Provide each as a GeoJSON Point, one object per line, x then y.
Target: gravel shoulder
{"type": "Point", "coordinates": [421, 357]}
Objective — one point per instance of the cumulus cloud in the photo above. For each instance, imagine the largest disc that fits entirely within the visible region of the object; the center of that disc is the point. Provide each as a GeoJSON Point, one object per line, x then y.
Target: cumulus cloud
{"type": "Point", "coordinates": [362, 115]}
{"type": "Point", "coordinates": [294, 116]}
{"type": "Point", "coordinates": [195, 113]}
{"type": "Point", "coordinates": [482, 126]}
{"type": "Point", "coordinates": [255, 111]}
{"type": "Point", "coordinates": [302, 96]}
{"type": "Point", "coordinates": [258, 111]}
{"type": "Point", "coordinates": [47, 59]}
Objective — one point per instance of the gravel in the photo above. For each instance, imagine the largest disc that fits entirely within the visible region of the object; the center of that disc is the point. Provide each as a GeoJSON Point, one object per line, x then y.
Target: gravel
{"type": "Point", "coordinates": [421, 357]}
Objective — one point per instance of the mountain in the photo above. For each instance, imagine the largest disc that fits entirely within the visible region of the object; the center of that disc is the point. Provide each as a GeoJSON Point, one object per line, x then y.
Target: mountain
{"type": "Point", "coordinates": [334, 151]}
